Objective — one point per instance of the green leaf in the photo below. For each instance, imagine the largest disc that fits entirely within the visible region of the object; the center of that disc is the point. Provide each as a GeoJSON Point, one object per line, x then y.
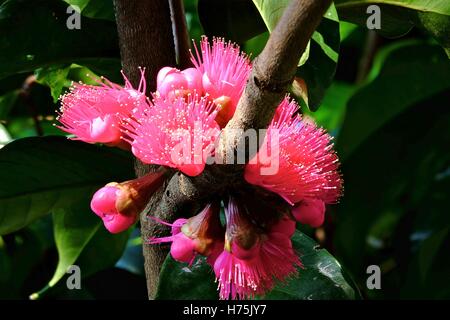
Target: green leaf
{"type": "Point", "coordinates": [332, 110]}
{"type": "Point", "coordinates": [437, 26]}
{"type": "Point", "coordinates": [390, 172]}
{"type": "Point", "coordinates": [321, 278]}
{"type": "Point", "coordinates": [346, 29]}
{"type": "Point", "coordinates": [398, 17]}
{"type": "Point", "coordinates": [60, 77]}
{"type": "Point", "coordinates": [7, 102]}
{"type": "Point", "coordinates": [98, 9]}
{"type": "Point", "coordinates": [182, 282]}
{"type": "Point", "coordinates": [20, 258]}
{"type": "Point", "coordinates": [55, 77]}
{"type": "Point", "coordinates": [34, 34]}
{"type": "Point", "coordinates": [81, 239]}
{"type": "Point", "coordinates": [271, 12]}
{"type": "Point", "coordinates": [5, 137]}
{"type": "Point", "coordinates": [429, 250]}
{"type": "Point", "coordinates": [405, 74]}
{"type": "Point", "coordinates": [41, 174]}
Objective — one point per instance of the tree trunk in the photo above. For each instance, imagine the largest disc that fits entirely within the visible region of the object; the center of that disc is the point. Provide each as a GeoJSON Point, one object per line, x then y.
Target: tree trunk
{"type": "Point", "coordinates": [146, 40]}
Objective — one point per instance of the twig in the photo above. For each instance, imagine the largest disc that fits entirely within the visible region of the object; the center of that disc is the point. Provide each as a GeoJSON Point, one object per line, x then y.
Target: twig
{"type": "Point", "coordinates": [370, 48]}
{"type": "Point", "coordinates": [180, 33]}
{"type": "Point", "coordinates": [25, 94]}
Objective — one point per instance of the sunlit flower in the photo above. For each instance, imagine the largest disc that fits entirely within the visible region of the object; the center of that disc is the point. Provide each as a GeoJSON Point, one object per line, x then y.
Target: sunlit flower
{"type": "Point", "coordinates": [225, 71]}
{"type": "Point", "coordinates": [307, 165]}
{"type": "Point", "coordinates": [253, 260]}
{"type": "Point", "coordinates": [176, 133]}
{"type": "Point", "coordinates": [94, 113]}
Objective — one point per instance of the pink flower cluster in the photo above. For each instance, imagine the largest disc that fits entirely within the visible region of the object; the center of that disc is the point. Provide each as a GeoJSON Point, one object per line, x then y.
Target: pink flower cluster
{"type": "Point", "coordinates": [252, 250]}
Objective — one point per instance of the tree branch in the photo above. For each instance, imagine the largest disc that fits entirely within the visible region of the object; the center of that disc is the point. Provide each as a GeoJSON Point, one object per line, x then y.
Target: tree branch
{"type": "Point", "coordinates": [273, 70]}
{"type": "Point", "coordinates": [180, 34]}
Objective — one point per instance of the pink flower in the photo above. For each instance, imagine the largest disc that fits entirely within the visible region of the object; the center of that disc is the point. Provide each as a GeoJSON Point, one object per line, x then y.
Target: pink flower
{"type": "Point", "coordinates": [225, 71]}
{"type": "Point", "coordinates": [175, 133]}
{"type": "Point", "coordinates": [253, 260]}
{"type": "Point", "coordinates": [307, 165]}
{"type": "Point", "coordinates": [201, 234]}
{"type": "Point", "coordinates": [119, 204]}
{"type": "Point", "coordinates": [310, 211]}
{"type": "Point", "coordinates": [94, 113]}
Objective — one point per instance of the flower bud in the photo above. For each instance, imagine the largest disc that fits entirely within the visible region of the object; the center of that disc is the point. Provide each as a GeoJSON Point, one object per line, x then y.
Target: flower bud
{"type": "Point", "coordinates": [173, 83]}
{"type": "Point", "coordinates": [182, 248]}
{"type": "Point", "coordinates": [119, 204]}
{"type": "Point", "coordinates": [310, 211]}
{"type": "Point", "coordinates": [163, 73]}
{"type": "Point", "coordinates": [194, 80]}
{"type": "Point", "coordinates": [242, 238]}
{"type": "Point", "coordinates": [205, 228]}
{"type": "Point", "coordinates": [226, 110]}
{"type": "Point", "coordinates": [286, 226]}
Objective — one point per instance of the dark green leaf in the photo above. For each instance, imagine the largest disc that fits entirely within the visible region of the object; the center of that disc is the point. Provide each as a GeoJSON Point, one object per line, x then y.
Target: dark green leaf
{"type": "Point", "coordinates": [7, 102]}
{"type": "Point", "coordinates": [81, 239]}
{"type": "Point", "coordinates": [389, 174]}
{"type": "Point", "coordinates": [98, 9]}
{"type": "Point", "coordinates": [41, 174]}
{"type": "Point", "coordinates": [321, 278]}
{"type": "Point", "coordinates": [60, 77]}
{"type": "Point", "coordinates": [34, 34]}
{"type": "Point", "coordinates": [433, 284]}
{"type": "Point", "coordinates": [398, 17]}
{"type": "Point", "coordinates": [180, 281]}
{"type": "Point", "coordinates": [331, 113]}
{"type": "Point", "coordinates": [405, 74]}
{"type": "Point", "coordinates": [20, 254]}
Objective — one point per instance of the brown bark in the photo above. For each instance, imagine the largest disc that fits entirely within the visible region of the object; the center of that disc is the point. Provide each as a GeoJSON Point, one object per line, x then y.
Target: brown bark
{"type": "Point", "coordinates": [180, 33]}
{"type": "Point", "coordinates": [145, 38]}
{"type": "Point", "coordinates": [145, 42]}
